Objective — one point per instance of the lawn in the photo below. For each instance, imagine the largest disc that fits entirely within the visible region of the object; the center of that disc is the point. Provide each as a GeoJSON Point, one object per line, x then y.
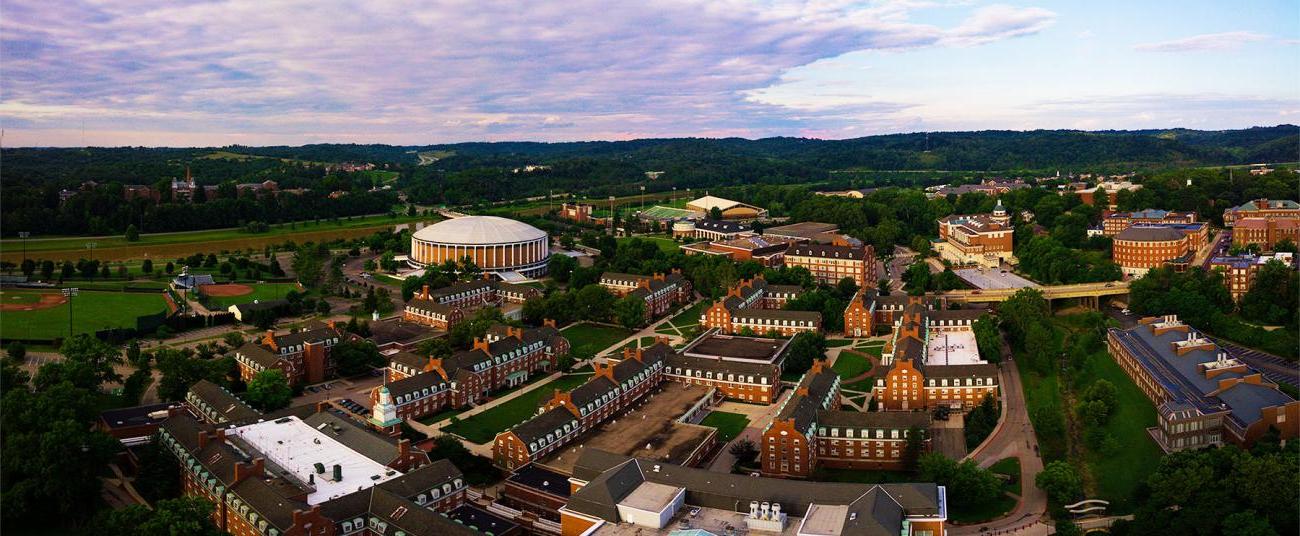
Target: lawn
{"type": "Point", "coordinates": [679, 323]}
{"type": "Point", "coordinates": [91, 311]}
{"type": "Point", "coordinates": [586, 340]}
{"type": "Point", "coordinates": [261, 292]}
{"type": "Point", "coordinates": [729, 425]}
{"type": "Point", "coordinates": [483, 427]}
{"type": "Point", "coordinates": [962, 513]}
{"type": "Point", "coordinates": [836, 343]}
{"type": "Point", "coordinates": [666, 245]}
{"type": "Point", "coordinates": [643, 342]}
{"type": "Point", "coordinates": [1009, 467]}
{"type": "Point", "coordinates": [851, 364]}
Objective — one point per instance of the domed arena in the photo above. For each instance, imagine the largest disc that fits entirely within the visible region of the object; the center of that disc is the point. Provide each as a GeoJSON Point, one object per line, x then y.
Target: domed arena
{"type": "Point", "coordinates": [497, 245]}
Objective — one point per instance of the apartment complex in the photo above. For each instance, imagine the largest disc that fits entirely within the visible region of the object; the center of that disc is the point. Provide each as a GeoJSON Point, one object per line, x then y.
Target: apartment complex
{"type": "Point", "coordinates": [1268, 209]}
{"type": "Point", "coordinates": [627, 495]}
{"type": "Point", "coordinates": [981, 239]}
{"type": "Point", "coordinates": [754, 307]}
{"type": "Point", "coordinates": [1265, 233]}
{"type": "Point", "coordinates": [1239, 271]}
{"type": "Point", "coordinates": [299, 472]}
{"type": "Point", "coordinates": [1204, 396]}
{"type": "Point", "coordinates": [505, 357]}
{"type": "Point", "coordinates": [829, 263]}
{"type": "Point", "coordinates": [304, 357]}
{"type": "Point", "coordinates": [445, 307]}
{"type": "Point", "coordinates": [661, 292]}
{"type": "Point", "coordinates": [868, 310]}
{"type": "Point", "coordinates": [1140, 248]}
{"type": "Point", "coordinates": [934, 361]}
{"type": "Point", "coordinates": [747, 369]}
{"type": "Point", "coordinates": [810, 431]}
{"type": "Point", "coordinates": [1115, 222]}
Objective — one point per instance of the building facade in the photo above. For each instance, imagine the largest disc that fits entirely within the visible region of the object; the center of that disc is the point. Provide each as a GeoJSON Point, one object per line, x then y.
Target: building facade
{"type": "Point", "coordinates": [305, 357]}
{"type": "Point", "coordinates": [1268, 209]}
{"type": "Point", "coordinates": [1116, 222]}
{"type": "Point", "coordinates": [445, 307]}
{"type": "Point", "coordinates": [981, 239]}
{"type": "Point", "coordinates": [661, 292]}
{"type": "Point", "coordinates": [754, 307]}
{"type": "Point", "coordinates": [1265, 233]}
{"type": "Point", "coordinates": [933, 361]}
{"type": "Point", "coordinates": [829, 263]}
{"type": "Point", "coordinates": [1140, 248]}
{"type": "Point", "coordinates": [497, 246]}
{"type": "Point", "coordinates": [1239, 271]}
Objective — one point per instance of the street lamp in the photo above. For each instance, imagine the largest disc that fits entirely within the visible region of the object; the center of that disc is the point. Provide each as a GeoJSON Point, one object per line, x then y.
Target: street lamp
{"type": "Point", "coordinates": [69, 293]}
{"type": "Point", "coordinates": [23, 235]}
{"type": "Point", "coordinates": [91, 247]}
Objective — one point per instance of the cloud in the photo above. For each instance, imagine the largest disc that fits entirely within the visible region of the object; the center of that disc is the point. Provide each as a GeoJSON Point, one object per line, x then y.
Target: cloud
{"type": "Point", "coordinates": [1196, 43]}
{"type": "Point", "coordinates": [451, 70]}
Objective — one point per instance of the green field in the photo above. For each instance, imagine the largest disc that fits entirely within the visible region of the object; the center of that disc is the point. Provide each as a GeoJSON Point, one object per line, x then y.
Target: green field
{"type": "Point", "coordinates": [666, 245]}
{"type": "Point", "coordinates": [485, 426]}
{"type": "Point", "coordinates": [261, 292]}
{"type": "Point", "coordinates": [851, 364]}
{"type": "Point", "coordinates": [729, 425]}
{"type": "Point", "coordinates": [683, 322]}
{"type": "Point", "coordinates": [91, 311]}
{"type": "Point", "coordinates": [587, 340]}
{"type": "Point", "coordinates": [661, 212]}
{"type": "Point", "coordinates": [1011, 468]}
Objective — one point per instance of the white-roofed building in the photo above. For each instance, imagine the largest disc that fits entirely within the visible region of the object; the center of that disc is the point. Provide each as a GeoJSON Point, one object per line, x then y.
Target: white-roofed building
{"type": "Point", "coordinates": [496, 245]}
{"type": "Point", "coordinates": [731, 210]}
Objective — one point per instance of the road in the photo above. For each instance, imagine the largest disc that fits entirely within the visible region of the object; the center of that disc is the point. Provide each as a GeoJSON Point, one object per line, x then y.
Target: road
{"type": "Point", "coordinates": [1013, 437]}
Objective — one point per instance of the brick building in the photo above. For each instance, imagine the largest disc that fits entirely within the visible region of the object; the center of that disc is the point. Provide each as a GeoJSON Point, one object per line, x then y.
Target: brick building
{"type": "Point", "coordinates": [1268, 209]}
{"type": "Point", "coordinates": [505, 357]}
{"type": "Point", "coordinates": [565, 416]}
{"type": "Point", "coordinates": [661, 292]}
{"type": "Point", "coordinates": [868, 311]}
{"type": "Point", "coordinates": [983, 239]}
{"type": "Point", "coordinates": [934, 361]}
{"type": "Point", "coordinates": [829, 263]}
{"type": "Point", "coordinates": [747, 369]}
{"type": "Point", "coordinates": [215, 405]}
{"type": "Point", "coordinates": [1239, 271]}
{"type": "Point", "coordinates": [536, 489]}
{"type": "Point", "coordinates": [1105, 194]}
{"type": "Point", "coordinates": [755, 307]}
{"type": "Point", "coordinates": [1116, 222]}
{"type": "Point", "coordinates": [619, 494]}
{"type": "Point", "coordinates": [305, 356]}
{"type": "Point", "coordinates": [317, 474]}
{"type": "Point", "coordinates": [811, 431]}
{"type": "Point", "coordinates": [576, 212]}
{"type": "Point", "coordinates": [445, 307]}
{"type": "Point", "coordinates": [1265, 233]}
{"type": "Point", "coordinates": [766, 250]}
{"type": "Point", "coordinates": [1140, 248]}
{"type": "Point", "coordinates": [1203, 396]}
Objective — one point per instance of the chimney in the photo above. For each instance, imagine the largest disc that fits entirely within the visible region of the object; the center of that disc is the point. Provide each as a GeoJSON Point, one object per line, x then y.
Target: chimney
{"type": "Point", "coordinates": [627, 352]}
{"type": "Point", "coordinates": [517, 333]}
{"type": "Point", "coordinates": [338, 473]}
{"type": "Point", "coordinates": [637, 355]}
{"type": "Point", "coordinates": [249, 470]}
{"type": "Point", "coordinates": [424, 292]}
{"type": "Point", "coordinates": [658, 276]}
{"type": "Point", "coordinates": [269, 340]}
{"type": "Point", "coordinates": [480, 344]}
{"type": "Point", "coordinates": [332, 325]}
{"type": "Point", "coordinates": [403, 450]}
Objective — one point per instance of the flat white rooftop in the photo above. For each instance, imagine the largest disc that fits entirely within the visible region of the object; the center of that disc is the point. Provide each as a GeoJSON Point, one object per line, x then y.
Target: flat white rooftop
{"type": "Point", "coordinates": [651, 497]}
{"type": "Point", "coordinates": [296, 447]}
{"type": "Point", "coordinates": [956, 348]}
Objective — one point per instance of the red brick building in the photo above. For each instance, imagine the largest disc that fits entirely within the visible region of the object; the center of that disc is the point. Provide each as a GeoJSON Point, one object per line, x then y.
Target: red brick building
{"type": "Point", "coordinates": [1116, 222]}
{"type": "Point", "coordinates": [303, 356]}
{"type": "Point", "coordinates": [933, 361]}
{"type": "Point", "coordinates": [661, 292]}
{"type": "Point", "coordinates": [1269, 209]}
{"type": "Point", "coordinates": [1239, 271]}
{"type": "Point", "coordinates": [984, 239]}
{"type": "Point", "coordinates": [868, 311]}
{"type": "Point", "coordinates": [1140, 248]}
{"type": "Point", "coordinates": [445, 307]}
{"type": "Point", "coordinates": [1265, 232]}
{"type": "Point", "coordinates": [829, 263]}
{"type": "Point", "coordinates": [576, 212]}
{"type": "Point", "coordinates": [766, 250]}
{"type": "Point", "coordinates": [754, 307]}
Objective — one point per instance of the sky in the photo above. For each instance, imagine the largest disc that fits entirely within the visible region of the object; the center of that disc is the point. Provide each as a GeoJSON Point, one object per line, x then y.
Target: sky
{"type": "Point", "coordinates": [259, 72]}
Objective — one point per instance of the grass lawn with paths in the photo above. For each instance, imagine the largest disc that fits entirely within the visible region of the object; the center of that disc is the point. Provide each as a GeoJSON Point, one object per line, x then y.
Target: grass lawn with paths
{"type": "Point", "coordinates": [586, 340]}
{"type": "Point", "coordinates": [851, 364]}
{"type": "Point", "coordinates": [483, 427]}
{"type": "Point", "coordinates": [729, 425]}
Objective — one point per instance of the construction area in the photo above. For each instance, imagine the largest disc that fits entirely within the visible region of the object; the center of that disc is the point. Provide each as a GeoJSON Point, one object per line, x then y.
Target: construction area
{"type": "Point", "coordinates": [649, 430]}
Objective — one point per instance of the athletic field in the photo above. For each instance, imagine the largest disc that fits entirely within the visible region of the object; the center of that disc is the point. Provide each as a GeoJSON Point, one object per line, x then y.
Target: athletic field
{"type": "Point", "coordinates": [40, 314]}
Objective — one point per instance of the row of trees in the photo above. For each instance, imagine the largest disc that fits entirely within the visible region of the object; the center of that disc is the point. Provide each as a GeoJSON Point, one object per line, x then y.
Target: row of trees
{"type": "Point", "coordinates": [1200, 298]}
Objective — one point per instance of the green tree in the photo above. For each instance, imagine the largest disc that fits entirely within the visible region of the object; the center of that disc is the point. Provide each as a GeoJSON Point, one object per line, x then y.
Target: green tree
{"type": "Point", "coordinates": [1272, 295]}
{"type": "Point", "coordinates": [356, 357]}
{"type": "Point", "coordinates": [132, 233]}
{"type": "Point", "coordinates": [96, 355]}
{"type": "Point", "coordinates": [17, 351]}
{"type": "Point", "coordinates": [630, 311]}
{"type": "Point", "coordinates": [715, 213]}
{"type": "Point", "coordinates": [180, 370]}
{"type": "Point", "coordinates": [269, 390]}
{"type": "Point", "coordinates": [988, 338]}
{"type": "Point", "coordinates": [560, 267]}
{"type": "Point", "coordinates": [1061, 482]}
{"type": "Point", "coordinates": [804, 349]}
{"type": "Point", "coordinates": [594, 303]}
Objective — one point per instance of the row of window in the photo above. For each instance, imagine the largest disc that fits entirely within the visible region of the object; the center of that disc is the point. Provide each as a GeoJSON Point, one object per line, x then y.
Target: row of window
{"type": "Point", "coordinates": [731, 377]}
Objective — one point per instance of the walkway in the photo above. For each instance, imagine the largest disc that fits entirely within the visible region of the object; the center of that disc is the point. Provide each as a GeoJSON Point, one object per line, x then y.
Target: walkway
{"type": "Point", "coordinates": [1013, 437]}
{"type": "Point", "coordinates": [434, 429]}
{"type": "Point", "coordinates": [649, 331]}
{"type": "Point", "coordinates": [759, 417]}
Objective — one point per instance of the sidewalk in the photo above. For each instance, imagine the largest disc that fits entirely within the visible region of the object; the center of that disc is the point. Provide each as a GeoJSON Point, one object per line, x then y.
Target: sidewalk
{"type": "Point", "coordinates": [435, 428]}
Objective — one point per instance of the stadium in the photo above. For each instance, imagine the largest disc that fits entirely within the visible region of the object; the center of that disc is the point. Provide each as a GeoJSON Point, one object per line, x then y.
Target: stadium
{"type": "Point", "coordinates": [506, 248]}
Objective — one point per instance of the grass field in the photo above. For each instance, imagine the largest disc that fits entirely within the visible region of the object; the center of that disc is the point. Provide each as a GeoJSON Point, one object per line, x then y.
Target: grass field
{"type": "Point", "coordinates": [666, 245]}
{"type": "Point", "coordinates": [851, 364]}
{"type": "Point", "coordinates": [729, 425]}
{"type": "Point", "coordinates": [91, 311]}
{"type": "Point", "coordinates": [837, 343]}
{"type": "Point", "coordinates": [261, 292]}
{"type": "Point", "coordinates": [179, 244]}
{"type": "Point", "coordinates": [483, 427]}
{"type": "Point", "coordinates": [682, 322]}
{"type": "Point", "coordinates": [586, 340]}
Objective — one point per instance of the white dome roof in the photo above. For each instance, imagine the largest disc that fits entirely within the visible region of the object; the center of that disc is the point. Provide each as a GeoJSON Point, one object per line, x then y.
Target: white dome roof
{"type": "Point", "coordinates": [479, 230]}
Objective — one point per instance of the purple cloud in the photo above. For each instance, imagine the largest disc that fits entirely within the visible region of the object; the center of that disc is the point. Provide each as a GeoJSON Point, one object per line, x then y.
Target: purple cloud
{"type": "Point", "coordinates": [1196, 43]}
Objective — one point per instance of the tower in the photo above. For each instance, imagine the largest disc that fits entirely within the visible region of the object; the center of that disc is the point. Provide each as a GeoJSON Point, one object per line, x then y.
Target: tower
{"type": "Point", "coordinates": [385, 412]}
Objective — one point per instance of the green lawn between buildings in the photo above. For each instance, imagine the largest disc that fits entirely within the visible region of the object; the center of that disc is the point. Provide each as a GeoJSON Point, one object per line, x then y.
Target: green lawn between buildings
{"type": "Point", "coordinates": [483, 427]}
{"type": "Point", "coordinates": [91, 312]}
{"type": "Point", "coordinates": [851, 364]}
{"type": "Point", "coordinates": [682, 322]}
{"type": "Point", "coordinates": [667, 245]}
{"type": "Point", "coordinates": [729, 425]}
{"type": "Point", "coordinates": [261, 292]}
{"type": "Point", "coordinates": [586, 340]}
{"type": "Point", "coordinates": [1110, 476]}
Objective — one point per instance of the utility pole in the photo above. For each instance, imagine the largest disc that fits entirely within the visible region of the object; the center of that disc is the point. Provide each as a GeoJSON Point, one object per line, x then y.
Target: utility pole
{"type": "Point", "coordinates": [612, 229]}
{"type": "Point", "coordinates": [91, 246]}
{"type": "Point", "coordinates": [69, 293]}
{"type": "Point", "coordinates": [23, 235]}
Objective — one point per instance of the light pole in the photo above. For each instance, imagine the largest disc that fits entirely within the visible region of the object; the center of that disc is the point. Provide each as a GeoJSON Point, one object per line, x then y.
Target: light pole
{"type": "Point", "coordinates": [23, 235]}
{"type": "Point", "coordinates": [69, 293]}
{"type": "Point", "coordinates": [612, 228]}
{"type": "Point", "coordinates": [643, 198]}
{"type": "Point", "coordinates": [91, 246]}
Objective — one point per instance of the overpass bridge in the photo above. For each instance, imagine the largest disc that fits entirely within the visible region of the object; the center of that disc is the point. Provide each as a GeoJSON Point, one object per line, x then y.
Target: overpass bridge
{"type": "Point", "coordinates": [1090, 293]}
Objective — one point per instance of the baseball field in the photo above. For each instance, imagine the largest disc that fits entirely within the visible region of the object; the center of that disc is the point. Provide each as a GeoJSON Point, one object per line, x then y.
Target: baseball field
{"type": "Point", "coordinates": [43, 314]}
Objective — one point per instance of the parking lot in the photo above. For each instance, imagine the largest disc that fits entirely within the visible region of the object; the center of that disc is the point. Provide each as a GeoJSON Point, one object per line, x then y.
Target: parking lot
{"type": "Point", "coordinates": [357, 388]}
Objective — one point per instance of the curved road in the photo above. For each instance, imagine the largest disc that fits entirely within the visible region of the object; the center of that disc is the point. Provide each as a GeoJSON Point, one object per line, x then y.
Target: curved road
{"type": "Point", "coordinates": [1012, 438]}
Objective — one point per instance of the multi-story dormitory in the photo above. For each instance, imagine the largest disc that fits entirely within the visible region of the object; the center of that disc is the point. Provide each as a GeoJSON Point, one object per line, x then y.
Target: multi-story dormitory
{"type": "Point", "coordinates": [1203, 396]}
{"type": "Point", "coordinates": [934, 361]}
{"type": "Point", "coordinates": [810, 431]}
{"type": "Point", "coordinates": [755, 305]}
{"type": "Point", "coordinates": [868, 311]}
{"type": "Point", "coordinates": [661, 292]}
{"type": "Point", "coordinates": [447, 306]}
{"type": "Point", "coordinates": [303, 472]}
{"type": "Point", "coordinates": [305, 356]}
{"type": "Point", "coordinates": [567, 415]}
{"type": "Point", "coordinates": [505, 357]}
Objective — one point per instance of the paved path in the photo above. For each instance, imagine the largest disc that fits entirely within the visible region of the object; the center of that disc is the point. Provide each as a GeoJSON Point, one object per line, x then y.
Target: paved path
{"type": "Point", "coordinates": [649, 331]}
{"type": "Point", "coordinates": [759, 417]}
{"type": "Point", "coordinates": [1013, 437]}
